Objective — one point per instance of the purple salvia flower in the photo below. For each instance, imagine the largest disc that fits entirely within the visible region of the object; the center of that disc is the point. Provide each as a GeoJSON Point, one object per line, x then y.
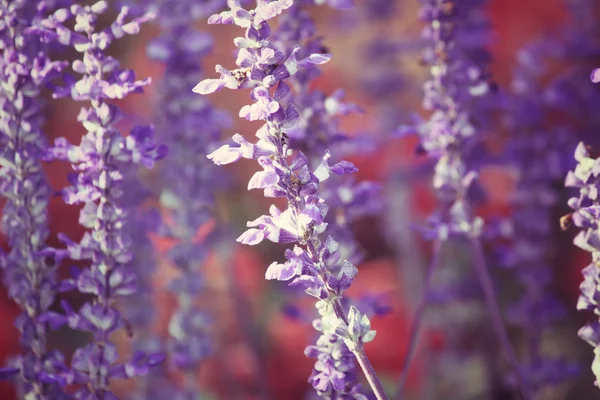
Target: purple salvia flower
{"type": "Point", "coordinates": [586, 216]}
{"type": "Point", "coordinates": [29, 267]}
{"type": "Point", "coordinates": [537, 151]}
{"type": "Point", "coordinates": [101, 161]}
{"type": "Point", "coordinates": [457, 79]}
{"type": "Point", "coordinates": [191, 126]}
{"type": "Point", "coordinates": [309, 265]}
{"type": "Point", "coordinates": [316, 131]}
{"type": "Point", "coordinates": [137, 309]}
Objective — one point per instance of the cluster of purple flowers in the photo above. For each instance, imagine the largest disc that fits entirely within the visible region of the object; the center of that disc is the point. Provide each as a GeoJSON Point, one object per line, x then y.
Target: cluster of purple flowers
{"type": "Point", "coordinates": [101, 161]}
{"type": "Point", "coordinates": [448, 134]}
{"type": "Point", "coordinates": [29, 267]}
{"type": "Point", "coordinates": [192, 127]}
{"type": "Point", "coordinates": [537, 155]}
{"type": "Point", "coordinates": [136, 309]}
{"type": "Point", "coordinates": [455, 95]}
{"type": "Point", "coordinates": [585, 216]}
{"type": "Point", "coordinates": [316, 132]}
{"type": "Point", "coordinates": [313, 264]}
{"type": "Point", "coordinates": [300, 150]}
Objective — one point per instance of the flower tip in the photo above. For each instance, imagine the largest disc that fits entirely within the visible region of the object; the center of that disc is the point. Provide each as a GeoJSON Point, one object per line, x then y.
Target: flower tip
{"type": "Point", "coordinates": [595, 75]}
{"type": "Point", "coordinates": [150, 16]}
{"type": "Point", "coordinates": [319, 58]}
{"type": "Point", "coordinates": [224, 155]}
{"type": "Point", "coordinates": [99, 7]}
{"type": "Point", "coordinates": [208, 86]}
{"type": "Point", "coordinates": [369, 336]}
{"type": "Point", "coordinates": [219, 19]}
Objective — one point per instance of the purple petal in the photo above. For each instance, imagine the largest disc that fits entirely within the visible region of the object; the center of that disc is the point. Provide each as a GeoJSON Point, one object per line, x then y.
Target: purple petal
{"type": "Point", "coordinates": [208, 86]}
{"type": "Point", "coordinates": [225, 155]}
{"type": "Point", "coordinates": [131, 28]}
{"type": "Point", "coordinates": [595, 75]}
{"type": "Point", "coordinates": [318, 58]}
{"type": "Point", "coordinates": [225, 18]}
{"type": "Point", "coordinates": [263, 179]}
{"type": "Point", "coordinates": [282, 90]}
{"type": "Point", "coordinates": [251, 237]}
{"type": "Point", "coordinates": [343, 168]}
{"type": "Point", "coordinates": [280, 272]}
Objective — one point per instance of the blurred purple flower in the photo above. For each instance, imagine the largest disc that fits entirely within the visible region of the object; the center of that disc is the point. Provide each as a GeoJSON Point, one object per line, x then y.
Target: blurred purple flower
{"type": "Point", "coordinates": [190, 126]}
{"type": "Point", "coordinates": [101, 161]}
{"type": "Point", "coordinates": [537, 153]}
{"type": "Point", "coordinates": [137, 309]}
{"type": "Point", "coordinates": [454, 37]}
{"type": "Point", "coordinates": [29, 267]}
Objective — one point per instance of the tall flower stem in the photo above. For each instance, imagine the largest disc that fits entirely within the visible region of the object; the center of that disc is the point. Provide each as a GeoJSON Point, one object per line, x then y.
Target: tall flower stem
{"type": "Point", "coordinates": [458, 81]}
{"type": "Point", "coordinates": [369, 372]}
{"type": "Point", "coordinates": [494, 310]}
{"type": "Point", "coordinates": [419, 316]}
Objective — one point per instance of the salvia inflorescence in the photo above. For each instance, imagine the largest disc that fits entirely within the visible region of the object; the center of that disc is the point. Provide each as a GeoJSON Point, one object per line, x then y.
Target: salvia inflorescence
{"type": "Point", "coordinates": [137, 293]}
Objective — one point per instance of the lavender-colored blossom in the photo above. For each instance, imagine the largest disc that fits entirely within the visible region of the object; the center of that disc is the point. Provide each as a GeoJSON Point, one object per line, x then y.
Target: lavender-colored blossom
{"type": "Point", "coordinates": [101, 161]}
{"type": "Point", "coordinates": [316, 132]}
{"type": "Point", "coordinates": [333, 374]}
{"type": "Point", "coordinates": [137, 309]}
{"type": "Point", "coordinates": [191, 126]}
{"type": "Point", "coordinates": [455, 80]}
{"type": "Point", "coordinates": [308, 265]}
{"type": "Point", "coordinates": [29, 267]}
{"type": "Point", "coordinates": [458, 79]}
{"type": "Point", "coordinates": [537, 153]}
{"type": "Point", "coordinates": [586, 216]}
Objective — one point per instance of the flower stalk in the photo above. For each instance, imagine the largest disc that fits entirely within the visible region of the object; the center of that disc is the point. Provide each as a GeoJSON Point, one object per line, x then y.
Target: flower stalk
{"type": "Point", "coordinates": [456, 78]}
{"type": "Point", "coordinates": [309, 265]}
{"type": "Point", "coordinates": [100, 163]}
{"type": "Point", "coordinates": [30, 266]}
